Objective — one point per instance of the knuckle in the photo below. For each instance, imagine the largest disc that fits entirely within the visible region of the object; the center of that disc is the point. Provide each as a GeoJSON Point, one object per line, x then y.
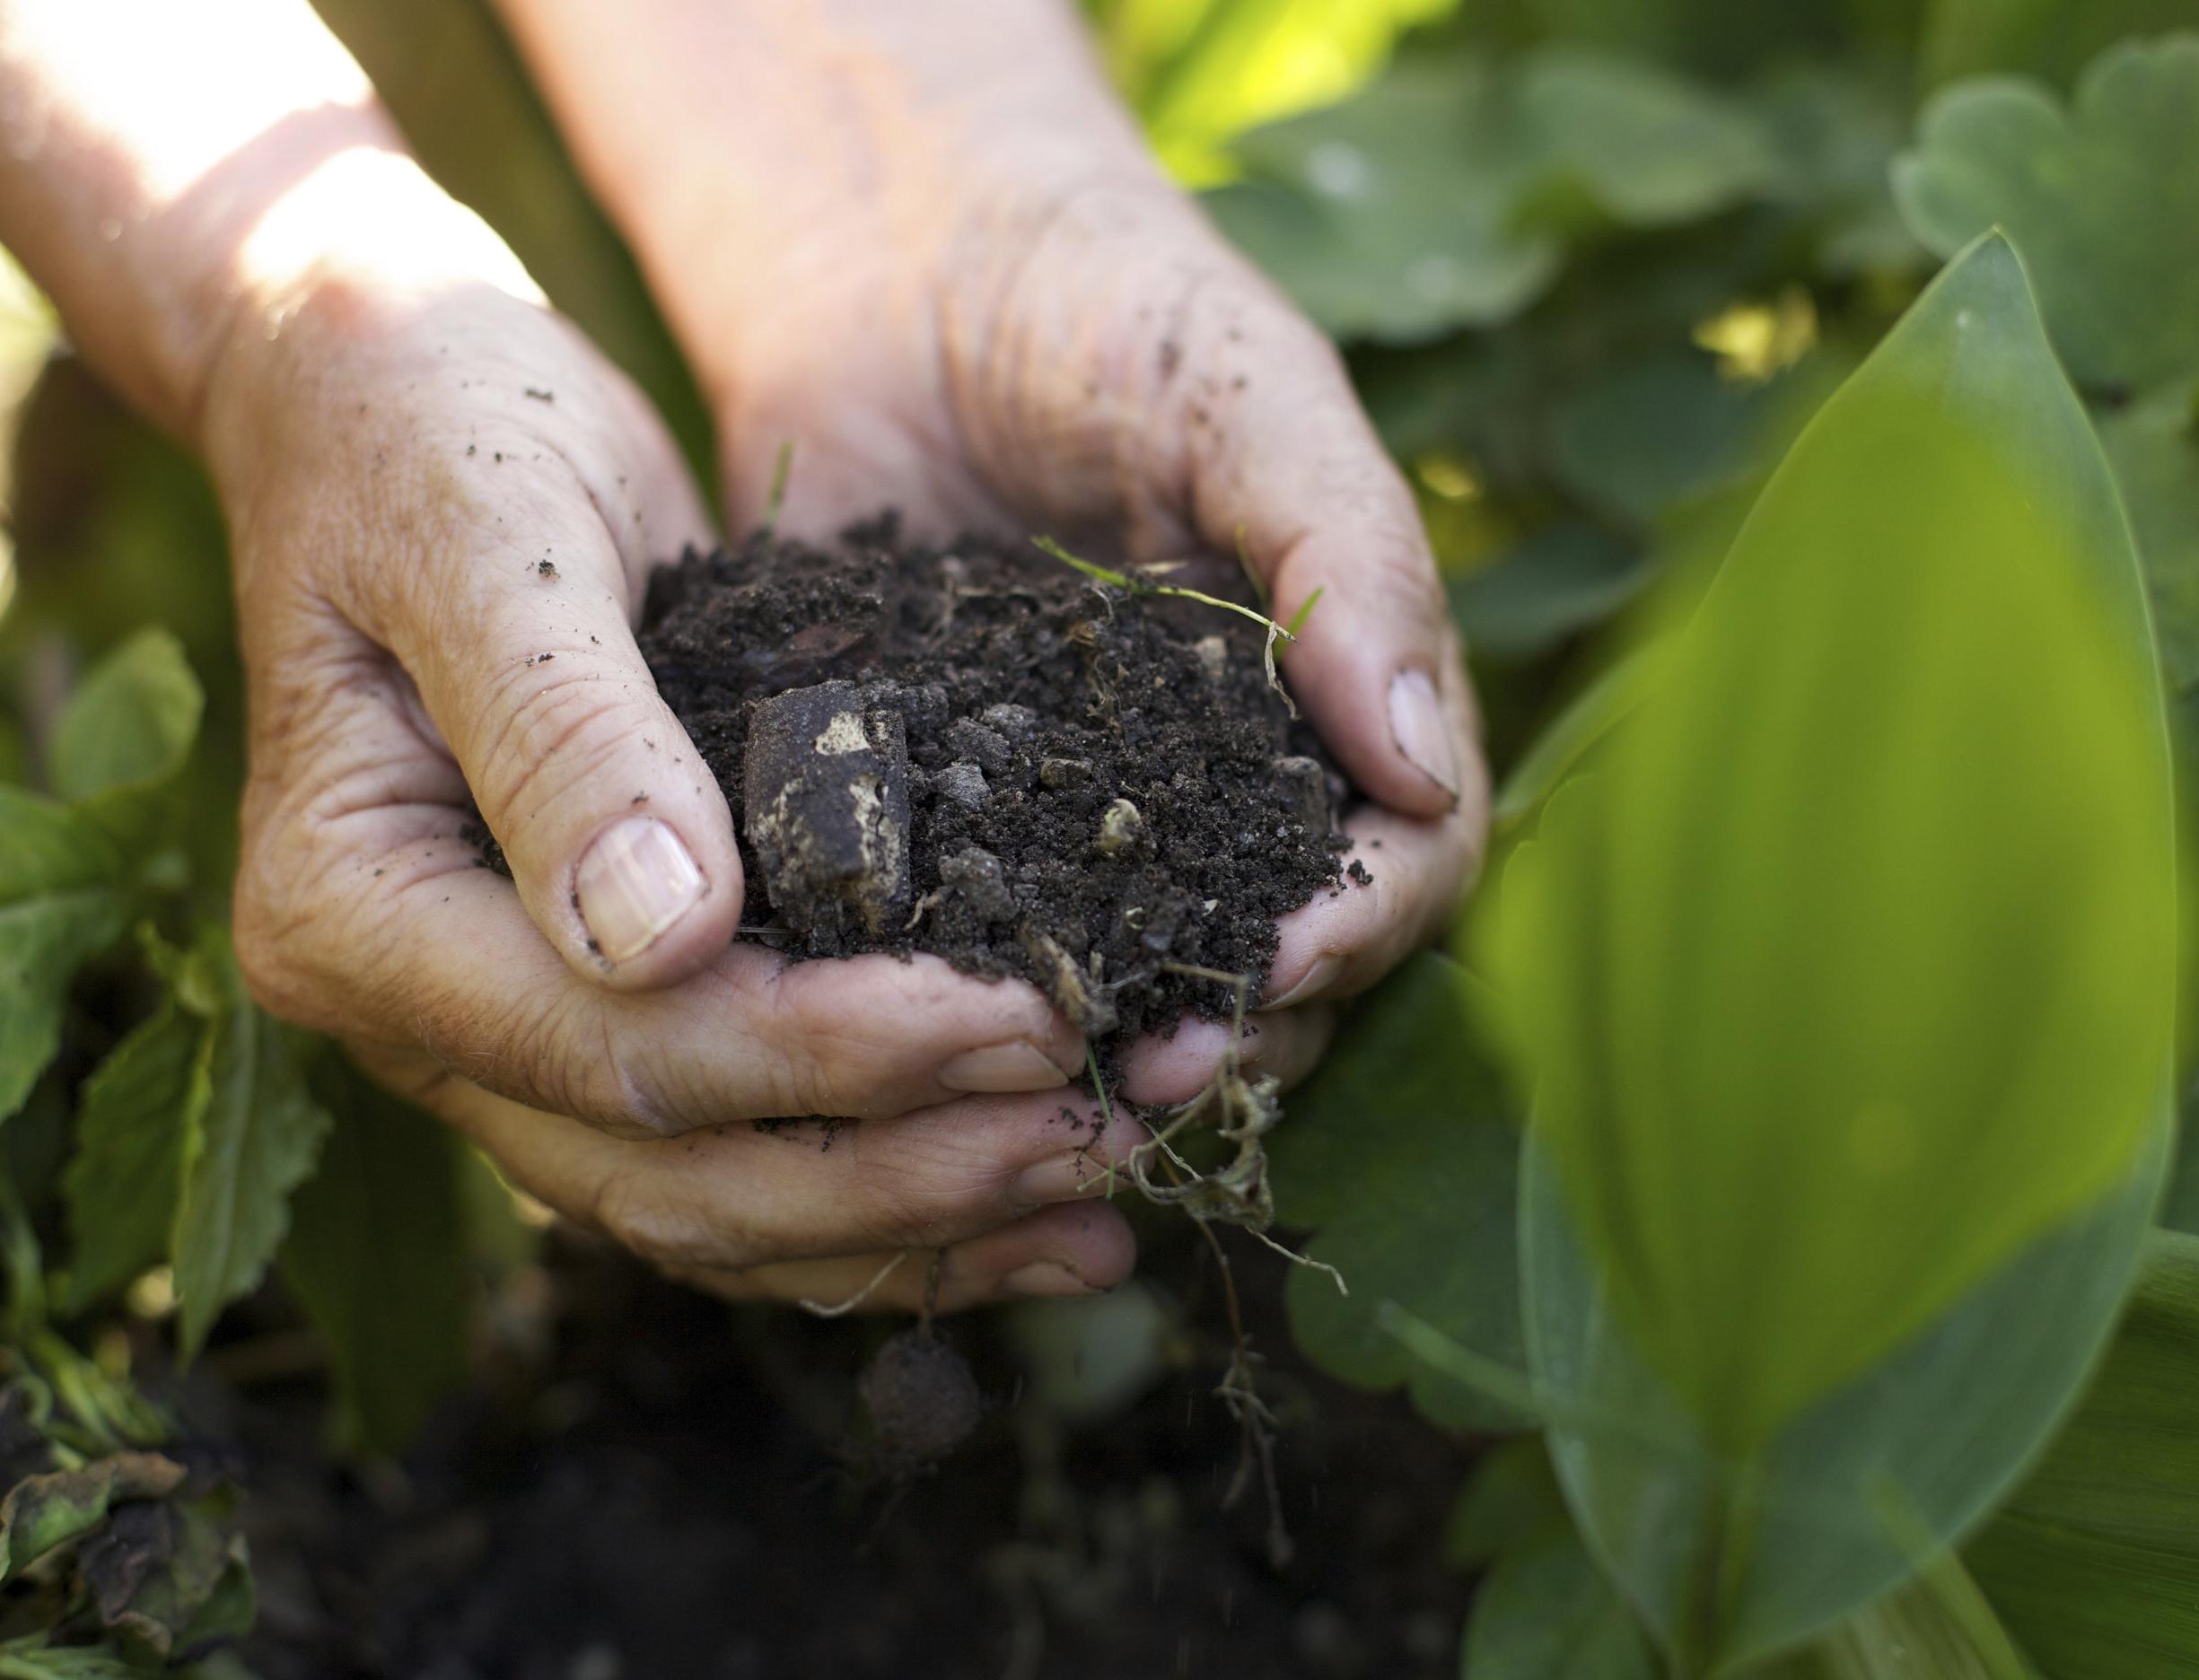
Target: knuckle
{"type": "Point", "coordinates": [552, 736]}
{"type": "Point", "coordinates": [631, 1208]}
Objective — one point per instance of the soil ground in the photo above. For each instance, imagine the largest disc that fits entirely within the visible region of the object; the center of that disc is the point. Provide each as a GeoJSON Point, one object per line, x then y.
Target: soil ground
{"type": "Point", "coordinates": [646, 1482]}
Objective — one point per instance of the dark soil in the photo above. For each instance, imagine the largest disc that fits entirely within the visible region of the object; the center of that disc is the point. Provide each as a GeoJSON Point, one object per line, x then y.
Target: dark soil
{"type": "Point", "coordinates": [644, 1483]}
{"type": "Point", "coordinates": [1031, 775]}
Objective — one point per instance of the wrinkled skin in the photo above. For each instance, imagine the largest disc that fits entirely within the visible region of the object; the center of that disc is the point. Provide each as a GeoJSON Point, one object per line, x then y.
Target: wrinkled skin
{"type": "Point", "coordinates": [986, 317]}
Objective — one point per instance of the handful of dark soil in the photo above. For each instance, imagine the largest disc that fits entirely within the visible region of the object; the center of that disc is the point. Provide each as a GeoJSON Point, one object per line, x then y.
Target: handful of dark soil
{"type": "Point", "coordinates": [979, 752]}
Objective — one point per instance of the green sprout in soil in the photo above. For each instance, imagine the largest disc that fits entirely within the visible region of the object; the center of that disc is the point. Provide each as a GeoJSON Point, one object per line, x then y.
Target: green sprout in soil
{"type": "Point", "coordinates": [1142, 582]}
{"type": "Point", "coordinates": [775, 498]}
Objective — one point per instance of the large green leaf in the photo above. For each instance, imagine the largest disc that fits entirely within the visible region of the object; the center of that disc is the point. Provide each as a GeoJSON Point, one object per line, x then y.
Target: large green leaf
{"type": "Point", "coordinates": [377, 1258]}
{"type": "Point", "coordinates": [1876, 896]}
{"type": "Point", "coordinates": [2098, 196]}
{"type": "Point", "coordinates": [1925, 1631]}
{"type": "Point", "coordinates": [1547, 1612]}
{"type": "Point", "coordinates": [1402, 1153]}
{"type": "Point", "coordinates": [140, 1106]}
{"type": "Point", "coordinates": [1443, 195]}
{"type": "Point", "coordinates": [2094, 1564]}
{"type": "Point", "coordinates": [1732, 1555]}
{"type": "Point", "coordinates": [59, 903]}
{"type": "Point", "coordinates": [258, 1137]}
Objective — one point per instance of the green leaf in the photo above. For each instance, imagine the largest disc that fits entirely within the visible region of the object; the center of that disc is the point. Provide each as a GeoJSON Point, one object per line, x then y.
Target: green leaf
{"type": "Point", "coordinates": [1917, 1633]}
{"type": "Point", "coordinates": [1659, 429]}
{"type": "Point", "coordinates": [1511, 1500]}
{"type": "Point", "coordinates": [1387, 216]}
{"type": "Point", "coordinates": [59, 904]}
{"type": "Point", "coordinates": [41, 1512]}
{"type": "Point", "coordinates": [1400, 1150]}
{"type": "Point", "coordinates": [2094, 195]}
{"type": "Point", "coordinates": [2094, 1564]}
{"type": "Point", "coordinates": [171, 1575]}
{"type": "Point", "coordinates": [1844, 980]}
{"type": "Point", "coordinates": [1443, 195]}
{"type": "Point", "coordinates": [1547, 1612]}
{"type": "Point", "coordinates": [1561, 749]}
{"type": "Point", "coordinates": [1729, 1556]}
{"type": "Point", "coordinates": [33, 1659]}
{"type": "Point", "coordinates": [1838, 127]}
{"type": "Point", "coordinates": [123, 1184]}
{"type": "Point", "coordinates": [131, 722]}
{"type": "Point", "coordinates": [2153, 446]}
{"type": "Point", "coordinates": [1876, 896]}
{"type": "Point", "coordinates": [377, 1258]}
{"type": "Point", "coordinates": [1555, 584]}
{"type": "Point", "coordinates": [259, 1135]}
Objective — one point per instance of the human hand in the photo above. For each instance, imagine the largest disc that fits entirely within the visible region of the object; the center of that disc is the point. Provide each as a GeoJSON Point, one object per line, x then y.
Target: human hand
{"type": "Point", "coordinates": [932, 255]}
{"type": "Point", "coordinates": [443, 505]}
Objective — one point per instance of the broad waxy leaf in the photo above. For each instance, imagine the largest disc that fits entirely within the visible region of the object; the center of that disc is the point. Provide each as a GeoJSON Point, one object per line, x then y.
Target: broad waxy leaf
{"type": "Point", "coordinates": [258, 1137]}
{"type": "Point", "coordinates": [140, 1108]}
{"type": "Point", "coordinates": [59, 903]}
{"type": "Point", "coordinates": [377, 1258]}
{"type": "Point", "coordinates": [1844, 978]}
{"type": "Point", "coordinates": [1547, 1612]}
{"type": "Point", "coordinates": [1731, 1556]}
{"type": "Point", "coordinates": [2094, 1564]}
{"type": "Point", "coordinates": [41, 1512]}
{"type": "Point", "coordinates": [1442, 195]}
{"type": "Point", "coordinates": [1402, 1154]}
{"type": "Point", "coordinates": [1875, 897]}
{"type": "Point", "coordinates": [1913, 1634]}
{"type": "Point", "coordinates": [2097, 196]}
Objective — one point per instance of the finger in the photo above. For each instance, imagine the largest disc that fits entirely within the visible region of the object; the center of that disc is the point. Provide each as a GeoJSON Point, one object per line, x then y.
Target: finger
{"type": "Point", "coordinates": [1282, 458]}
{"type": "Point", "coordinates": [732, 1197]}
{"type": "Point", "coordinates": [1073, 1249]}
{"type": "Point", "coordinates": [1286, 1043]}
{"type": "Point", "coordinates": [359, 911]}
{"type": "Point", "coordinates": [535, 534]}
{"type": "Point", "coordinates": [1413, 874]}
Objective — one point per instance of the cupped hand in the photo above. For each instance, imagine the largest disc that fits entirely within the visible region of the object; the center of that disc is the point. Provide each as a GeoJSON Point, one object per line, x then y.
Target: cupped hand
{"type": "Point", "coordinates": [442, 506]}
{"type": "Point", "coordinates": [1084, 355]}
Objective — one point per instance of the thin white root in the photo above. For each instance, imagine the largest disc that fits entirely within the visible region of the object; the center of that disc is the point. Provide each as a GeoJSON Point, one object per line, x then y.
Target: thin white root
{"type": "Point", "coordinates": [1307, 1261]}
{"type": "Point", "coordinates": [860, 1296]}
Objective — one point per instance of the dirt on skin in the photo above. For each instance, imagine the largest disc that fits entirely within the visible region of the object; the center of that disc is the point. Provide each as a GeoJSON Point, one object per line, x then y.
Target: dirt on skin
{"type": "Point", "coordinates": [977, 751]}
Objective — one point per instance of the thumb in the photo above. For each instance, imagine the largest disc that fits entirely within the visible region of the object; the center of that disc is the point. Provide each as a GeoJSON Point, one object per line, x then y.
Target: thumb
{"type": "Point", "coordinates": [1287, 465]}
{"type": "Point", "coordinates": [616, 833]}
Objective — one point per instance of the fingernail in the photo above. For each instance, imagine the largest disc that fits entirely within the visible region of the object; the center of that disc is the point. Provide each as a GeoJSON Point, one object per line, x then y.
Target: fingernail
{"type": "Point", "coordinates": [1015, 1066]}
{"type": "Point", "coordinates": [1059, 1178]}
{"type": "Point", "coordinates": [1045, 1277]}
{"type": "Point", "coordinates": [1316, 980]}
{"type": "Point", "coordinates": [1416, 724]}
{"type": "Point", "coordinates": [636, 881]}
